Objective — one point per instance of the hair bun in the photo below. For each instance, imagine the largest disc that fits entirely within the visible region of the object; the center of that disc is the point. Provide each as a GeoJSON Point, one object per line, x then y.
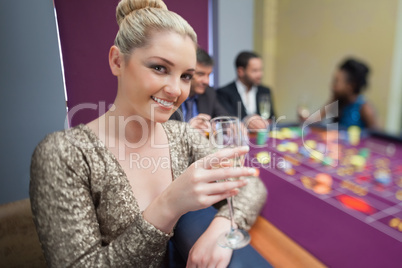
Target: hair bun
{"type": "Point", "coordinates": [126, 7]}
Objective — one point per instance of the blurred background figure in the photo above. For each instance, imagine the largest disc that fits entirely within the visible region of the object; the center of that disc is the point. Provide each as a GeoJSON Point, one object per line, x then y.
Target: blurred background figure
{"type": "Point", "coordinates": [202, 103]}
{"type": "Point", "coordinates": [350, 81]}
{"type": "Point", "coordinates": [246, 97]}
{"type": "Point", "coordinates": [348, 85]}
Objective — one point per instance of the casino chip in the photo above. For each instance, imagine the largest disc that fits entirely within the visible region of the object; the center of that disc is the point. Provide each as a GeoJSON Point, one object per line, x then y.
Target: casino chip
{"type": "Point", "coordinates": [398, 195]}
{"type": "Point", "coordinates": [281, 148]}
{"type": "Point", "coordinates": [327, 161]}
{"type": "Point", "coordinates": [382, 177]}
{"type": "Point", "coordinates": [311, 143]}
{"type": "Point", "coordinates": [304, 152]}
{"type": "Point", "coordinates": [320, 184]}
{"type": "Point", "coordinates": [293, 147]}
{"type": "Point", "coordinates": [263, 157]}
{"type": "Point", "coordinates": [323, 179]}
{"type": "Point", "coordinates": [286, 133]}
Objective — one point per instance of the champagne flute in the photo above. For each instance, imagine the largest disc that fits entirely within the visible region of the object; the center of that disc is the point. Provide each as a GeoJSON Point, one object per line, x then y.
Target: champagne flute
{"type": "Point", "coordinates": [264, 105]}
{"type": "Point", "coordinates": [226, 132]}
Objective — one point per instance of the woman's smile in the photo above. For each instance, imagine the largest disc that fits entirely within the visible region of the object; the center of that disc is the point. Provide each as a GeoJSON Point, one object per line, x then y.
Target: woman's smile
{"type": "Point", "coordinates": [163, 103]}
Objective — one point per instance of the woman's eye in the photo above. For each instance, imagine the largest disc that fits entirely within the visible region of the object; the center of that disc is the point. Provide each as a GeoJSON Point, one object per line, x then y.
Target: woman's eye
{"type": "Point", "coordinates": [159, 68]}
{"type": "Point", "coordinates": [187, 77]}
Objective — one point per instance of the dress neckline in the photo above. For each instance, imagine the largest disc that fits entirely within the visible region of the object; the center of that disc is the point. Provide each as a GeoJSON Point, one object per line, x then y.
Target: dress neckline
{"type": "Point", "coordinates": [95, 137]}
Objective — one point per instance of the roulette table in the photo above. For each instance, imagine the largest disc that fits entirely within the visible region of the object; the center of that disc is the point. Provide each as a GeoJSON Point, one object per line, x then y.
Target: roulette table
{"type": "Point", "coordinates": [340, 200]}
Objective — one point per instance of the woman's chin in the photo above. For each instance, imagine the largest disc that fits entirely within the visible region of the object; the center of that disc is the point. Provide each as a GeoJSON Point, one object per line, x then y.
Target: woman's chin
{"type": "Point", "coordinates": [161, 118]}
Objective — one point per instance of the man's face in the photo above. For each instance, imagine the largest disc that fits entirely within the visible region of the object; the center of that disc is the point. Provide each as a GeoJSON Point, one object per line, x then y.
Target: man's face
{"type": "Point", "coordinates": [252, 74]}
{"type": "Point", "coordinates": [200, 79]}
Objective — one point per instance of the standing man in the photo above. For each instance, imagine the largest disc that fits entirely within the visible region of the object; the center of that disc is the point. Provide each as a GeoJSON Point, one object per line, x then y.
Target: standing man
{"type": "Point", "coordinates": [241, 97]}
{"type": "Point", "coordinates": [202, 103]}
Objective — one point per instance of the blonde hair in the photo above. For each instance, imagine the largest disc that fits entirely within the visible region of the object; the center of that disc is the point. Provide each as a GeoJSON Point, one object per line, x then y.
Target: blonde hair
{"type": "Point", "coordinates": [138, 18]}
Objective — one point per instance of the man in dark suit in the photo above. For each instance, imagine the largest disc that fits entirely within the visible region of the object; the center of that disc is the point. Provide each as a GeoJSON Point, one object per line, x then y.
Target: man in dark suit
{"type": "Point", "coordinates": [242, 98]}
{"type": "Point", "coordinates": [202, 103]}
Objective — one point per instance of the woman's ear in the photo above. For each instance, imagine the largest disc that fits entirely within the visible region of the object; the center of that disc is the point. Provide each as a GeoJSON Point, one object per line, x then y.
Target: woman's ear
{"type": "Point", "coordinates": [115, 60]}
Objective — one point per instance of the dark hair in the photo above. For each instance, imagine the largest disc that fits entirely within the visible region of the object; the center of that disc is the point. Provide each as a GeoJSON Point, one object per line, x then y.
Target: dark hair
{"type": "Point", "coordinates": [356, 74]}
{"type": "Point", "coordinates": [204, 58]}
{"type": "Point", "coordinates": [244, 57]}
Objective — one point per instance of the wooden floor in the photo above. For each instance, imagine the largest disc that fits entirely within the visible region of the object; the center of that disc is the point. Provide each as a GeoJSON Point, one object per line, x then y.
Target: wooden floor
{"type": "Point", "coordinates": [279, 249]}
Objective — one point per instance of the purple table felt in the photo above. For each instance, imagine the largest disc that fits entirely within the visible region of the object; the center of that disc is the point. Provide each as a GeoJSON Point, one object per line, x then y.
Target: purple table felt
{"type": "Point", "coordinates": [335, 234]}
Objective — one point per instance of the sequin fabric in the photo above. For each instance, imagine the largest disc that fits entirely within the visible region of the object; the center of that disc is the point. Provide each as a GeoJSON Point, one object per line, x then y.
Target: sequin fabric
{"type": "Point", "coordinates": [85, 212]}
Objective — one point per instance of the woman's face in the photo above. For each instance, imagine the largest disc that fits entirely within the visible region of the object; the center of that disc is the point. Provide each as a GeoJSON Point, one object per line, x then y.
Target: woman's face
{"type": "Point", "coordinates": [156, 78]}
{"type": "Point", "coordinates": [341, 88]}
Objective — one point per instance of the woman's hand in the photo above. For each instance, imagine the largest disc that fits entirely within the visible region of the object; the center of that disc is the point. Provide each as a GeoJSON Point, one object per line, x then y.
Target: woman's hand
{"type": "Point", "coordinates": [197, 188]}
{"type": "Point", "coordinates": [206, 252]}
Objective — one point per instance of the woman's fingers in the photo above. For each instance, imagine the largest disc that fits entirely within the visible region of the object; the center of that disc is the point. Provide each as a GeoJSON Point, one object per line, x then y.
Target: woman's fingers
{"type": "Point", "coordinates": [213, 199]}
{"type": "Point", "coordinates": [228, 173]}
{"type": "Point", "coordinates": [213, 175]}
{"type": "Point", "coordinates": [224, 155]}
{"type": "Point", "coordinates": [223, 187]}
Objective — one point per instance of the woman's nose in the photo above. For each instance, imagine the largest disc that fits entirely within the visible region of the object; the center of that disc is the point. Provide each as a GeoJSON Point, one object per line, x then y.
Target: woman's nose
{"type": "Point", "coordinates": [173, 87]}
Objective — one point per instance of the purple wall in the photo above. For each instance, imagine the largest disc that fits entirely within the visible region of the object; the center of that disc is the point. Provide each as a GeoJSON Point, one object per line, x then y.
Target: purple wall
{"type": "Point", "coordinates": [196, 13]}
{"type": "Point", "coordinates": [87, 31]}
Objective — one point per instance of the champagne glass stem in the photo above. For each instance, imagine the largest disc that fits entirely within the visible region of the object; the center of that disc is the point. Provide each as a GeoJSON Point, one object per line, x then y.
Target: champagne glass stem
{"type": "Point", "coordinates": [226, 133]}
{"type": "Point", "coordinates": [231, 214]}
{"type": "Point", "coordinates": [237, 163]}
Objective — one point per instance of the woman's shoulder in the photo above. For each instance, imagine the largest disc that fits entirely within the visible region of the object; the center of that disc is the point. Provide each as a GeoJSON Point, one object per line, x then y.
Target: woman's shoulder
{"type": "Point", "coordinates": [66, 141]}
{"type": "Point", "coordinates": [361, 99]}
{"type": "Point", "coordinates": [58, 154]}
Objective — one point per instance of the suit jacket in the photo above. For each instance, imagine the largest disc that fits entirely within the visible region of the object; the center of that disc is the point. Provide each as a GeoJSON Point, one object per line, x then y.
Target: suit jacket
{"type": "Point", "coordinates": [207, 103]}
{"type": "Point", "coordinates": [230, 99]}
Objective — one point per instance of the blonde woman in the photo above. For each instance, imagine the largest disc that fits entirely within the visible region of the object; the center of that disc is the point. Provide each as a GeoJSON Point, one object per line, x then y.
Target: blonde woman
{"type": "Point", "coordinates": [109, 193]}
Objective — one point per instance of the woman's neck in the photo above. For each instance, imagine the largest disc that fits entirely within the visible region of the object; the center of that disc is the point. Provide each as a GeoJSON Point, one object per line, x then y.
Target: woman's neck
{"type": "Point", "coordinates": [348, 99]}
{"type": "Point", "coordinates": [117, 128]}
{"type": "Point", "coordinates": [352, 98]}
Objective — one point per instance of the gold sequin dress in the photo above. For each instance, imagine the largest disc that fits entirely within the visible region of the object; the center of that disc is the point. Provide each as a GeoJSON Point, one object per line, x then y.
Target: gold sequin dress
{"type": "Point", "coordinates": [85, 211]}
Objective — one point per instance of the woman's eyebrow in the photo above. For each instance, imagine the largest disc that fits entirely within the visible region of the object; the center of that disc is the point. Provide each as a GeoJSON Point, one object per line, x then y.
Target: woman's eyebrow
{"type": "Point", "coordinates": [165, 60]}
{"type": "Point", "coordinates": [171, 63]}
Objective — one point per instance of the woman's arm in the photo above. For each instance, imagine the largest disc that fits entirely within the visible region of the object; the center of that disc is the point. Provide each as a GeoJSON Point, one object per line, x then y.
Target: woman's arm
{"type": "Point", "coordinates": [66, 220]}
{"type": "Point", "coordinates": [206, 252]}
{"type": "Point", "coordinates": [73, 234]}
{"type": "Point", "coordinates": [368, 116]}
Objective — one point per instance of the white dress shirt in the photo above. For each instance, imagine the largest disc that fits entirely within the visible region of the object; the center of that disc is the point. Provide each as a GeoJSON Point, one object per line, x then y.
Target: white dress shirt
{"type": "Point", "coordinates": [248, 97]}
